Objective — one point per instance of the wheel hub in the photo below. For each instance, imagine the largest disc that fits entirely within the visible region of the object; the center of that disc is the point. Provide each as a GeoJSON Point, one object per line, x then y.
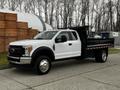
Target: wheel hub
{"type": "Point", "coordinates": [104, 56]}
{"type": "Point", "coordinates": [44, 65]}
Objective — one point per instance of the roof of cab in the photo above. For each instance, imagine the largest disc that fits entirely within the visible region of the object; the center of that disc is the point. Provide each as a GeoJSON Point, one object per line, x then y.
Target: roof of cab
{"type": "Point", "coordinates": [61, 30]}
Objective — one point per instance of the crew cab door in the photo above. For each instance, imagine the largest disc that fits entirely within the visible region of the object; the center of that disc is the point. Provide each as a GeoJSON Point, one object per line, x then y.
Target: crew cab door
{"type": "Point", "coordinates": [69, 48]}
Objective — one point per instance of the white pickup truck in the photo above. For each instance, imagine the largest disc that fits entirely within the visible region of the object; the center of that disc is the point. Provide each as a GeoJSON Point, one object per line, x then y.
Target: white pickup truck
{"type": "Point", "coordinates": [50, 46]}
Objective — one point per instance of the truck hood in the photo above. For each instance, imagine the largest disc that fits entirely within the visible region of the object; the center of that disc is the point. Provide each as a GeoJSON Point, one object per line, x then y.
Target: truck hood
{"type": "Point", "coordinates": [30, 42]}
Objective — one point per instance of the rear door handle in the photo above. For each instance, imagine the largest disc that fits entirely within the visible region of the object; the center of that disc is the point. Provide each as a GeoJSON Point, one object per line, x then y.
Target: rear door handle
{"type": "Point", "coordinates": [70, 44]}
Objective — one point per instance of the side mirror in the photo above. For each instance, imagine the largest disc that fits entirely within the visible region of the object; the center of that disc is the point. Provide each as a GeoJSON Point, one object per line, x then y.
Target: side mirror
{"type": "Point", "coordinates": [63, 38]}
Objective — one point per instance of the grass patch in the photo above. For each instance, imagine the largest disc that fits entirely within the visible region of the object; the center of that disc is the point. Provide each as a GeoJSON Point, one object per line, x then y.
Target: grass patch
{"type": "Point", "coordinates": [3, 61]}
{"type": "Point", "coordinates": [3, 58]}
{"type": "Point", "coordinates": [114, 51]}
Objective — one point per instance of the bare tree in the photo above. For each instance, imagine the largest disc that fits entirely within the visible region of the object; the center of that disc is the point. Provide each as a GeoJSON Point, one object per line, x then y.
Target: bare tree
{"type": "Point", "coordinates": [85, 11]}
{"type": "Point", "coordinates": [51, 11]}
{"type": "Point", "coordinates": [57, 13]}
{"type": "Point", "coordinates": [2, 3]}
{"type": "Point", "coordinates": [20, 4]}
{"type": "Point", "coordinates": [110, 5]}
{"type": "Point", "coordinates": [46, 10]}
{"type": "Point", "coordinates": [39, 7]}
{"type": "Point", "coordinates": [68, 8]}
{"type": "Point", "coordinates": [13, 4]}
{"type": "Point", "coordinates": [118, 15]}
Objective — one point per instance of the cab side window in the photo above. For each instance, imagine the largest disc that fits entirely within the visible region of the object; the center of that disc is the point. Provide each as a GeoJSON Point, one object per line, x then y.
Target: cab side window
{"type": "Point", "coordinates": [72, 36]}
{"type": "Point", "coordinates": [69, 35]}
{"type": "Point", "coordinates": [60, 36]}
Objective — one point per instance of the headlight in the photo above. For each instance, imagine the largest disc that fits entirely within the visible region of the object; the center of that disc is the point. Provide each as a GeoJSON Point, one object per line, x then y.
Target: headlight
{"type": "Point", "coordinates": [28, 49]}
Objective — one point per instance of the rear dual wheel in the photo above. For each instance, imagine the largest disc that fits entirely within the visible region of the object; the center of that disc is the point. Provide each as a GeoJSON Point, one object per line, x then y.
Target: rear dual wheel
{"type": "Point", "coordinates": [101, 55]}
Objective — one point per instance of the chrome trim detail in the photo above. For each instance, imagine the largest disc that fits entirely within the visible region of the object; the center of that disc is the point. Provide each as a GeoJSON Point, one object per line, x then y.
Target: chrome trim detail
{"type": "Point", "coordinates": [23, 60]}
{"type": "Point", "coordinates": [14, 57]}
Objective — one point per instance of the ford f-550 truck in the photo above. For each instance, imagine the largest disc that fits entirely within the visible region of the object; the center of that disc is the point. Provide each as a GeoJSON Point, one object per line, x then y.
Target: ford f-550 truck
{"type": "Point", "coordinates": [55, 45]}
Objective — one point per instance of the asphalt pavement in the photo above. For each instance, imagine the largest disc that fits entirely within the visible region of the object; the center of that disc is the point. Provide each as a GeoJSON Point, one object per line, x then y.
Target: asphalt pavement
{"type": "Point", "coordinates": [66, 75]}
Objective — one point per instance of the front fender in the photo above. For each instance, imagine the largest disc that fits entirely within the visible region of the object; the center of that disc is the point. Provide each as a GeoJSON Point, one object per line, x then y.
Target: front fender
{"type": "Point", "coordinates": [44, 51]}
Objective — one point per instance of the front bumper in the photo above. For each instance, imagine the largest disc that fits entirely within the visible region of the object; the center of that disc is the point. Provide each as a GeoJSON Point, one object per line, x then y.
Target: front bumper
{"type": "Point", "coordinates": [19, 60]}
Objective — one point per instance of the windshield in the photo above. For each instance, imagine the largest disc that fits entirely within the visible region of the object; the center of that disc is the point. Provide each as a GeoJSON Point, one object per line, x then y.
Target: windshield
{"type": "Point", "coordinates": [46, 35]}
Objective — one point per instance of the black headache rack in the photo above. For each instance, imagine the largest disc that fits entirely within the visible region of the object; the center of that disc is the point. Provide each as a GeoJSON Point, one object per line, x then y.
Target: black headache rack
{"type": "Point", "coordinates": [82, 31]}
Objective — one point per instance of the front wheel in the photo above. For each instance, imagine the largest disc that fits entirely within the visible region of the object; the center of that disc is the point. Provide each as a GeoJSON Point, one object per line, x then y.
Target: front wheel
{"type": "Point", "coordinates": [101, 56]}
{"type": "Point", "coordinates": [42, 65]}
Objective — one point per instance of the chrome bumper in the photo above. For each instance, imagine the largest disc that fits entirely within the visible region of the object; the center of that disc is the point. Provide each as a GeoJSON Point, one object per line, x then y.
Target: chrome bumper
{"type": "Point", "coordinates": [19, 60]}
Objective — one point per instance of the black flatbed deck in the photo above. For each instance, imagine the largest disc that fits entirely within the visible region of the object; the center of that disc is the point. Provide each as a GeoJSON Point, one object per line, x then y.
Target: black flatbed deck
{"type": "Point", "coordinates": [92, 43]}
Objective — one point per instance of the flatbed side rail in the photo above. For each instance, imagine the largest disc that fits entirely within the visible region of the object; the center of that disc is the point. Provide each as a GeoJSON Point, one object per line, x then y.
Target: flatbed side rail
{"type": "Point", "coordinates": [99, 43]}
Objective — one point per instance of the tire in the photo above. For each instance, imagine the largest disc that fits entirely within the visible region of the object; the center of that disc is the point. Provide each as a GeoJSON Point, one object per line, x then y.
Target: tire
{"type": "Point", "coordinates": [101, 55]}
{"type": "Point", "coordinates": [42, 65]}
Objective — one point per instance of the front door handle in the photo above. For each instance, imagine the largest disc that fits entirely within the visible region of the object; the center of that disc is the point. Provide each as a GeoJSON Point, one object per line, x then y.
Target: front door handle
{"type": "Point", "coordinates": [70, 44]}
